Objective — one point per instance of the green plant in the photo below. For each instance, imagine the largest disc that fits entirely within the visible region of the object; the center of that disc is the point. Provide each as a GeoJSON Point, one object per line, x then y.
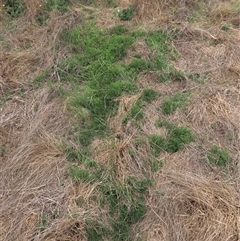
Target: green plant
{"type": "Point", "coordinates": [226, 26]}
{"type": "Point", "coordinates": [166, 124]}
{"type": "Point", "coordinates": [218, 156]}
{"type": "Point", "coordinates": [43, 222]}
{"type": "Point", "coordinates": [75, 155]}
{"type": "Point", "coordinates": [198, 77]}
{"type": "Point", "coordinates": [13, 7]}
{"type": "Point", "coordinates": [8, 95]}
{"type": "Point", "coordinates": [155, 164]}
{"type": "Point", "coordinates": [139, 65]}
{"type": "Point", "coordinates": [126, 207]}
{"type": "Point", "coordinates": [60, 5]}
{"type": "Point", "coordinates": [103, 77]}
{"type": "Point", "coordinates": [148, 95]}
{"type": "Point", "coordinates": [157, 144]}
{"type": "Point", "coordinates": [128, 13]}
{"type": "Point", "coordinates": [48, 6]}
{"type": "Point", "coordinates": [136, 111]}
{"type": "Point", "coordinates": [84, 175]}
{"type": "Point", "coordinates": [2, 150]}
{"type": "Point", "coordinates": [96, 230]}
{"type": "Point", "coordinates": [110, 3]}
{"type": "Point", "coordinates": [170, 104]}
{"type": "Point", "coordinates": [158, 42]}
{"type": "Point", "coordinates": [177, 138]}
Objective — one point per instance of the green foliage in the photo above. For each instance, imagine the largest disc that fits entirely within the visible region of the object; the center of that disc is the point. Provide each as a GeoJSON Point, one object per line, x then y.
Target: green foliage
{"type": "Point", "coordinates": [97, 66]}
{"type": "Point", "coordinates": [218, 156]}
{"type": "Point", "coordinates": [198, 77]}
{"type": "Point", "coordinates": [149, 95]}
{"type": "Point", "coordinates": [60, 5]}
{"type": "Point", "coordinates": [43, 222]}
{"type": "Point", "coordinates": [236, 6]}
{"type": "Point", "coordinates": [48, 6]}
{"type": "Point", "coordinates": [158, 42]}
{"type": "Point", "coordinates": [110, 3]}
{"type": "Point", "coordinates": [13, 7]}
{"type": "Point", "coordinates": [164, 123]}
{"type": "Point", "coordinates": [118, 30]}
{"type": "Point", "coordinates": [126, 207]}
{"type": "Point", "coordinates": [8, 95]}
{"type": "Point", "coordinates": [96, 231]}
{"type": "Point", "coordinates": [170, 104]}
{"type": "Point", "coordinates": [155, 164]}
{"type": "Point", "coordinates": [136, 111]}
{"type": "Point", "coordinates": [176, 139]}
{"type": "Point", "coordinates": [128, 13]}
{"type": "Point", "coordinates": [226, 26]}
{"type": "Point", "coordinates": [139, 65]}
{"type": "Point", "coordinates": [157, 144]}
{"type": "Point", "coordinates": [95, 63]}
{"type": "Point", "coordinates": [84, 175]}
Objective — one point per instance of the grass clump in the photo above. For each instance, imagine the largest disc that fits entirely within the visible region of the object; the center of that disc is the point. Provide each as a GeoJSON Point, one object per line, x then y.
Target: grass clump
{"type": "Point", "coordinates": [97, 74]}
{"type": "Point", "coordinates": [175, 140]}
{"type": "Point", "coordinates": [157, 144]}
{"type": "Point", "coordinates": [158, 41]}
{"type": "Point", "coordinates": [43, 222]}
{"type": "Point", "coordinates": [170, 104]}
{"type": "Point", "coordinates": [136, 111]}
{"type": "Point", "coordinates": [126, 207]}
{"type": "Point", "coordinates": [148, 95]}
{"type": "Point", "coordinates": [82, 168]}
{"type": "Point", "coordinates": [178, 137]}
{"type": "Point", "coordinates": [128, 13]}
{"type": "Point", "coordinates": [218, 156]}
{"type": "Point", "coordinates": [48, 6]}
{"type": "Point", "coordinates": [14, 8]}
{"type": "Point", "coordinates": [84, 175]}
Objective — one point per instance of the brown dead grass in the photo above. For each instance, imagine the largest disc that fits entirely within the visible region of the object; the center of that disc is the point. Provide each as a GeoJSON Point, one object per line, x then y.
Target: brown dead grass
{"type": "Point", "coordinates": [34, 170]}
{"type": "Point", "coordinates": [29, 48]}
{"type": "Point", "coordinates": [186, 206]}
{"type": "Point", "coordinates": [190, 200]}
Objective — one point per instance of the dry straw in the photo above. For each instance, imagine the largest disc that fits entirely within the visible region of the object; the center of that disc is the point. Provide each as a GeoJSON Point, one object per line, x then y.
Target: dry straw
{"type": "Point", "coordinates": [189, 200]}
{"type": "Point", "coordinates": [191, 207]}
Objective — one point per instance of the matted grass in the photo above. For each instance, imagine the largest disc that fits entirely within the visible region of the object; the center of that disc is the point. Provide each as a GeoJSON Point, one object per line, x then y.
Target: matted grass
{"type": "Point", "coordinates": [122, 191]}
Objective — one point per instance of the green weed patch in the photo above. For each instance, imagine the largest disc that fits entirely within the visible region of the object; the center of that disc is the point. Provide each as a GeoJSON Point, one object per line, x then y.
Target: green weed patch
{"type": "Point", "coordinates": [14, 8]}
{"type": "Point", "coordinates": [218, 156]}
{"type": "Point", "coordinates": [48, 6]}
{"type": "Point", "coordinates": [170, 104]}
{"type": "Point", "coordinates": [97, 66]}
{"type": "Point", "coordinates": [176, 139]}
{"type": "Point", "coordinates": [126, 207]}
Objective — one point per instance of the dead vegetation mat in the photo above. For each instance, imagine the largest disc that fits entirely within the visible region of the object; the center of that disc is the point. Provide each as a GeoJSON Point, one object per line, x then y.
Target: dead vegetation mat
{"type": "Point", "coordinates": [189, 200]}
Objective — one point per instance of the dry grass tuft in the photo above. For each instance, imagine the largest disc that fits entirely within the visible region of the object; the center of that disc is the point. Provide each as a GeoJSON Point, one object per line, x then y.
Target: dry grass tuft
{"type": "Point", "coordinates": [186, 206]}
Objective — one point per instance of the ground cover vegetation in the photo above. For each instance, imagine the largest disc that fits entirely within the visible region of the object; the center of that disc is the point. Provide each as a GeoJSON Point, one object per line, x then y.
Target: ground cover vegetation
{"type": "Point", "coordinates": [118, 122]}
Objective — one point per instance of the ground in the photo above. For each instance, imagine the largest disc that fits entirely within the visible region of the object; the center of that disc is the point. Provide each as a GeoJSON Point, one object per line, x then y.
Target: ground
{"type": "Point", "coordinates": [119, 120]}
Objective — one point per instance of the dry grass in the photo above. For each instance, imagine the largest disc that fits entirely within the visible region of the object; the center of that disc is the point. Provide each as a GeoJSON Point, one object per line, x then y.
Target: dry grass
{"type": "Point", "coordinates": [186, 206]}
{"type": "Point", "coordinates": [190, 200]}
{"type": "Point", "coordinates": [29, 49]}
{"type": "Point", "coordinates": [34, 169]}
